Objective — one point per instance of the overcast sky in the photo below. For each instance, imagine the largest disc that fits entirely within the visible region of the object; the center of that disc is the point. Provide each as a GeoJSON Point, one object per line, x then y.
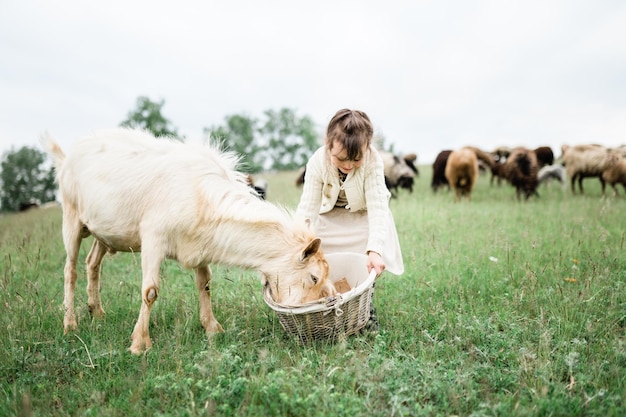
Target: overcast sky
{"type": "Point", "coordinates": [431, 75]}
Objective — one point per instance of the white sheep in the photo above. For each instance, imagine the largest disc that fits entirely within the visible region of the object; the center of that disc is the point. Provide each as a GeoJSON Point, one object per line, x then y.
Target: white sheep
{"type": "Point", "coordinates": [399, 171]}
{"type": "Point", "coordinates": [582, 161]}
{"type": "Point", "coordinates": [168, 199]}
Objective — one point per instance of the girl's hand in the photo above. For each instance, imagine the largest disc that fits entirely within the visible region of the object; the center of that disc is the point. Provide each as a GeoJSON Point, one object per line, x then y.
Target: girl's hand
{"type": "Point", "coordinates": [375, 262]}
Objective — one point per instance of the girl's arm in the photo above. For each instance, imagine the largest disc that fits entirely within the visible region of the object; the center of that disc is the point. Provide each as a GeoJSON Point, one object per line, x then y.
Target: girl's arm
{"type": "Point", "coordinates": [377, 200]}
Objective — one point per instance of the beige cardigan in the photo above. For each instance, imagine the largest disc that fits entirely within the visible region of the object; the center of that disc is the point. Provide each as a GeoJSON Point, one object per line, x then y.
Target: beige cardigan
{"type": "Point", "coordinates": [365, 190]}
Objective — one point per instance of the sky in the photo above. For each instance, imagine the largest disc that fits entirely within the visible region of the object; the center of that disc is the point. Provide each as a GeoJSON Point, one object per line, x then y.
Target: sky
{"type": "Point", "coordinates": [432, 75]}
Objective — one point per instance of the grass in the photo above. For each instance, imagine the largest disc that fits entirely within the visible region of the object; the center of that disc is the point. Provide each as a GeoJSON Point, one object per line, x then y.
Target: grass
{"type": "Point", "coordinates": [506, 308]}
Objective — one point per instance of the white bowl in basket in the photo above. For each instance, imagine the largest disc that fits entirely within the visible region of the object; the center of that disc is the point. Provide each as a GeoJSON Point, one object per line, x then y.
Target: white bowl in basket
{"type": "Point", "coordinates": [332, 317]}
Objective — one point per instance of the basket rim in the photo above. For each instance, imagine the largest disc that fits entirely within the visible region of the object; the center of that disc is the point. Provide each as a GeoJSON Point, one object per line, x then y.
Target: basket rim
{"type": "Point", "coordinates": [323, 304]}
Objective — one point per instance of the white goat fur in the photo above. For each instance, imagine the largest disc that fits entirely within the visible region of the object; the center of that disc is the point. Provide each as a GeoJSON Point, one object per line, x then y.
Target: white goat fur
{"type": "Point", "coordinates": [168, 199]}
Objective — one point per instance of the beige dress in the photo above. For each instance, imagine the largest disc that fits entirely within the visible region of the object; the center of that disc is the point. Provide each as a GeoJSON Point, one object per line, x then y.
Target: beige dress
{"type": "Point", "coordinates": [345, 231]}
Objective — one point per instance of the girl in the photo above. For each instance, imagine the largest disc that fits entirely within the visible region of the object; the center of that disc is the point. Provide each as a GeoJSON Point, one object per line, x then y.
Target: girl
{"type": "Point", "coordinates": [345, 197]}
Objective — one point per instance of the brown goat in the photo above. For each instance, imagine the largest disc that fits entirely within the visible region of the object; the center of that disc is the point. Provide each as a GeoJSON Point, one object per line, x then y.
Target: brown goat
{"type": "Point", "coordinates": [520, 169]}
{"type": "Point", "coordinates": [461, 172]}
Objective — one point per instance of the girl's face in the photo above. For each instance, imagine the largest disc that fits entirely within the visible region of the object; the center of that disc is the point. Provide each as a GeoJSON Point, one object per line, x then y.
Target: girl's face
{"type": "Point", "coordinates": [339, 158]}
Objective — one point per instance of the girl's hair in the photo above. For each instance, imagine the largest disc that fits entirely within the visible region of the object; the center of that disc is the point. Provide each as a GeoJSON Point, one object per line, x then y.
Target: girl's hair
{"type": "Point", "coordinates": [353, 129]}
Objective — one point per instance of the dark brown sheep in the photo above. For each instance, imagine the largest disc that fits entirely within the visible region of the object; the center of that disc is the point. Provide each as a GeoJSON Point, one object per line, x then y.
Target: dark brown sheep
{"type": "Point", "coordinates": [545, 156]}
{"type": "Point", "coordinates": [520, 169]}
{"type": "Point", "coordinates": [439, 171]}
{"type": "Point", "coordinates": [497, 173]}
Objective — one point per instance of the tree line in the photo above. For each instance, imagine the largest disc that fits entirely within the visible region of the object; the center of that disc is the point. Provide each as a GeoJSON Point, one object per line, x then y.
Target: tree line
{"type": "Point", "coordinates": [279, 140]}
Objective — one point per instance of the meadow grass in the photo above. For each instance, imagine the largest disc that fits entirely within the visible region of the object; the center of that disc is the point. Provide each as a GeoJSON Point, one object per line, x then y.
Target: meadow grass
{"type": "Point", "coordinates": [505, 308]}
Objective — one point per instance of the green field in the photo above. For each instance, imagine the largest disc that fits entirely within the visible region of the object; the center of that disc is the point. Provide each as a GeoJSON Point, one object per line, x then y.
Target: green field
{"type": "Point", "coordinates": [506, 308]}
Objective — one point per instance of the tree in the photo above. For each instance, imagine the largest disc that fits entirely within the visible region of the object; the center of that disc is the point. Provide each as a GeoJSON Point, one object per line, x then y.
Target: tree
{"type": "Point", "coordinates": [290, 140]}
{"type": "Point", "coordinates": [379, 142]}
{"type": "Point", "coordinates": [24, 179]}
{"type": "Point", "coordinates": [148, 116]}
{"type": "Point", "coordinates": [239, 136]}
{"type": "Point", "coordinates": [283, 141]}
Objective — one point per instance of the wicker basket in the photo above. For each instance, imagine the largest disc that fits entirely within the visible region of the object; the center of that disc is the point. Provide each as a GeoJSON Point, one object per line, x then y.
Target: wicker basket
{"type": "Point", "coordinates": [336, 317]}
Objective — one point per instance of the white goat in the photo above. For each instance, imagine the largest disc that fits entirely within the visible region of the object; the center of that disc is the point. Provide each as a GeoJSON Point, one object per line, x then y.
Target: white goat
{"type": "Point", "coordinates": [134, 192]}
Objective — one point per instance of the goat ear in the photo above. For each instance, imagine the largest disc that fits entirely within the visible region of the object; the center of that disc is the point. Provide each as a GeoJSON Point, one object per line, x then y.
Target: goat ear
{"type": "Point", "coordinates": [311, 249]}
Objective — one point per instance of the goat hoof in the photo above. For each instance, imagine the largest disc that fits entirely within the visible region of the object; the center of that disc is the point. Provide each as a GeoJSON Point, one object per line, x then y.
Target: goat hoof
{"type": "Point", "coordinates": [214, 329]}
{"type": "Point", "coordinates": [96, 311]}
{"type": "Point", "coordinates": [139, 347]}
{"type": "Point", "coordinates": [69, 325]}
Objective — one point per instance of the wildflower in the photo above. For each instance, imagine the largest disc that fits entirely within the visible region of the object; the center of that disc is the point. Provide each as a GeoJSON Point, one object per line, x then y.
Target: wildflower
{"type": "Point", "coordinates": [571, 360]}
{"type": "Point", "coordinates": [576, 261]}
{"type": "Point", "coordinates": [493, 259]}
{"type": "Point", "coordinates": [569, 279]}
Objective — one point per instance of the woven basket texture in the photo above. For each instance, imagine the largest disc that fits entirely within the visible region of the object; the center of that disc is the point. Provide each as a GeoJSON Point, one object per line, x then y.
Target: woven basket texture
{"type": "Point", "coordinates": [334, 318]}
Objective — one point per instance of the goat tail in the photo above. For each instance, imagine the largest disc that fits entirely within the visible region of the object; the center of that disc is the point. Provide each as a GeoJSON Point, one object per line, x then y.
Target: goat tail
{"type": "Point", "coordinates": [53, 148]}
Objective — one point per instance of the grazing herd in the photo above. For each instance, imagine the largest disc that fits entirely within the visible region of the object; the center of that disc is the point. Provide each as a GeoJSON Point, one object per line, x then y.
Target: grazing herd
{"type": "Point", "coordinates": [526, 169]}
{"type": "Point", "coordinates": [523, 168]}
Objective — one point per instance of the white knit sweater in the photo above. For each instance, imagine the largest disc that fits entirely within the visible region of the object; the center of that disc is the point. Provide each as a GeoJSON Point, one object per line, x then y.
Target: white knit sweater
{"type": "Point", "coordinates": [364, 187]}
